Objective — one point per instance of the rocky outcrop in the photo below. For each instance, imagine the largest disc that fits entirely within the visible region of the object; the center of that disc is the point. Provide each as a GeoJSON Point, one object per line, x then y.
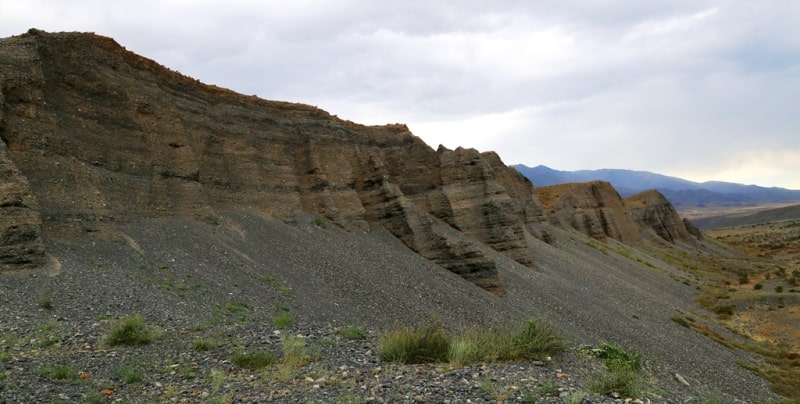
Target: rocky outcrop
{"type": "Point", "coordinates": [105, 136]}
{"type": "Point", "coordinates": [653, 212]}
{"type": "Point", "coordinates": [20, 226]}
{"type": "Point", "coordinates": [692, 229]}
{"type": "Point", "coordinates": [593, 208]}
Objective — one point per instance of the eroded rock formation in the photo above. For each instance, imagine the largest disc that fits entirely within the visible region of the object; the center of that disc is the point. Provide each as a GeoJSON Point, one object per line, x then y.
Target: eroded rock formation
{"type": "Point", "coordinates": [652, 211]}
{"type": "Point", "coordinates": [593, 208]}
{"type": "Point", "coordinates": [106, 136]}
{"type": "Point", "coordinates": [94, 136]}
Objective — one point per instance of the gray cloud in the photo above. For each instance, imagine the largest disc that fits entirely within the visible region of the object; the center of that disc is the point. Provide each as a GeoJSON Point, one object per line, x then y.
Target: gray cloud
{"type": "Point", "coordinates": [699, 89]}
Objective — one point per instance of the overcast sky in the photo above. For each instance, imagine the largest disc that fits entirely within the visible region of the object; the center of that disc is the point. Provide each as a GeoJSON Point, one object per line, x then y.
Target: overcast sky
{"type": "Point", "coordinates": [703, 90]}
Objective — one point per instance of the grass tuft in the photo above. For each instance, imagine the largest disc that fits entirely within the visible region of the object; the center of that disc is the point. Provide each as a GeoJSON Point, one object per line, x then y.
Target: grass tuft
{"type": "Point", "coordinates": [431, 343]}
{"type": "Point", "coordinates": [352, 332]}
{"type": "Point", "coordinates": [254, 360]}
{"type": "Point", "coordinates": [131, 331]}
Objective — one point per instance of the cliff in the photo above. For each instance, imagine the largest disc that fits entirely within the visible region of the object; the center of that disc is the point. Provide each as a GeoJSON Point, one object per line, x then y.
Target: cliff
{"type": "Point", "coordinates": [93, 136]}
{"type": "Point", "coordinates": [593, 208]}
{"type": "Point", "coordinates": [104, 136]}
{"type": "Point", "coordinates": [652, 211]}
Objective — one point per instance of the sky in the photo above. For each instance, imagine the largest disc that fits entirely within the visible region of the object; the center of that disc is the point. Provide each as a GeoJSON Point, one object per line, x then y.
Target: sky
{"type": "Point", "coordinates": [697, 89]}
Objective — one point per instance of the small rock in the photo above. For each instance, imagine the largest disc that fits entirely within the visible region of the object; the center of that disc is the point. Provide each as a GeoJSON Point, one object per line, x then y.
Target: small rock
{"type": "Point", "coordinates": [681, 379]}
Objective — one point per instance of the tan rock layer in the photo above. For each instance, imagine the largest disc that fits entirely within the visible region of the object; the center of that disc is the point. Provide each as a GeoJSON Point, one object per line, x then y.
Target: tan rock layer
{"type": "Point", "coordinates": [106, 136]}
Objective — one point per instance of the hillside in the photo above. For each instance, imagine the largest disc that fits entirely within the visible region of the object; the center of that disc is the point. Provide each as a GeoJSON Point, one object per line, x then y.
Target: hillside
{"type": "Point", "coordinates": [682, 193]}
{"type": "Point", "coordinates": [129, 188]}
{"type": "Point", "coordinates": [749, 218]}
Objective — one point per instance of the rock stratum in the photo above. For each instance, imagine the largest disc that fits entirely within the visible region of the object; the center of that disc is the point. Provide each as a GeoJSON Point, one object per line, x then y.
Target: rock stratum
{"type": "Point", "coordinates": [95, 135]}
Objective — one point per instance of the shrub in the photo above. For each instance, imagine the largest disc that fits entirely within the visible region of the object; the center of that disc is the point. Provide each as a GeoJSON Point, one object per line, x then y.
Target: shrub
{"type": "Point", "coordinates": [623, 375]}
{"type": "Point", "coordinates": [46, 303]}
{"type": "Point", "coordinates": [295, 351]}
{"type": "Point", "coordinates": [351, 332]}
{"type": "Point", "coordinates": [743, 278]}
{"type": "Point", "coordinates": [626, 383]}
{"type": "Point", "coordinates": [778, 289]}
{"type": "Point", "coordinates": [320, 222]}
{"type": "Point", "coordinates": [616, 357]}
{"type": "Point", "coordinates": [429, 343]}
{"type": "Point", "coordinates": [130, 374]}
{"type": "Point", "coordinates": [253, 360]}
{"type": "Point", "coordinates": [58, 372]}
{"type": "Point", "coordinates": [203, 344]}
{"type": "Point", "coordinates": [283, 320]}
{"type": "Point", "coordinates": [131, 331]}
{"type": "Point", "coordinates": [758, 286]}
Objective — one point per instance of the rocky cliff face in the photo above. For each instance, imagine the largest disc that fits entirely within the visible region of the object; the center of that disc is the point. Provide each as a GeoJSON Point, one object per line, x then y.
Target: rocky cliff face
{"type": "Point", "coordinates": [20, 226]}
{"type": "Point", "coordinates": [594, 208]}
{"type": "Point", "coordinates": [94, 136]}
{"type": "Point", "coordinates": [652, 211]}
{"type": "Point", "coordinates": [104, 136]}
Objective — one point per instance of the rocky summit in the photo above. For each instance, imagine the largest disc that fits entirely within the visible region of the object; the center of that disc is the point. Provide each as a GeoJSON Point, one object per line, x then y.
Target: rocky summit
{"type": "Point", "coordinates": [120, 179]}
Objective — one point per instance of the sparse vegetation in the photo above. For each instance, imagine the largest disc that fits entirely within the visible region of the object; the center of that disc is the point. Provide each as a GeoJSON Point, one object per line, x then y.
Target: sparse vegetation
{"type": "Point", "coordinates": [131, 331]}
{"type": "Point", "coordinates": [204, 344]}
{"type": "Point", "coordinates": [320, 222]}
{"type": "Point", "coordinates": [426, 344]}
{"type": "Point", "coordinates": [431, 343]}
{"type": "Point", "coordinates": [130, 374]}
{"type": "Point", "coordinates": [623, 376]}
{"type": "Point", "coordinates": [58, 372]}
{"type": "Point", "coordinates": [282, 318]}
{"type": "Point", "coordinates": [46, 303]}
{"type": "Point", "coordinates": [352, 332]}
{"type": "Point", "coordinates": [257, 359]}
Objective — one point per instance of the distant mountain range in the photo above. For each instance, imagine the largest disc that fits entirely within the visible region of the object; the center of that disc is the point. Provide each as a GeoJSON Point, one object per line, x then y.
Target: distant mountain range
{"type": "Point", "coordinates": [681, 192]}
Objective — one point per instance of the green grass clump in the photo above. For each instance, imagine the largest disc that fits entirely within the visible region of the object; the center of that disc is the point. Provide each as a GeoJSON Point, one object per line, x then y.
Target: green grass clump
{"type": "Point", "coordinates": [623, 376]}
{"type": "Point", "coordinates": [46, 303]}
{"type": "Point", "coordinates": [426, 344]}
{"type": "Point", "coordinates": [204, 344]}
{"type": "Point", "coordinates": [431, 343]}
{"type": "Point", "coordinates": [283, 320]}
{"type": "Point", "coordinates": [130, 374]}
{"type": "Point", "coordinates": [131, 331]}
{"type": "Point", "coordinates": [319, 222]}
{"type": "Point", "coordinates": [351, 332]}
{"type": "Point", "coordinates": [254, 360]}
{"type": "Point", "coordinates": [58, 372]}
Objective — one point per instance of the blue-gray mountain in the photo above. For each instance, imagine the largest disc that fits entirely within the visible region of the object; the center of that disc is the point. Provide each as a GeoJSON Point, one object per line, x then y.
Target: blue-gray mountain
{"type": "Point", "coordinates": [680, 192]}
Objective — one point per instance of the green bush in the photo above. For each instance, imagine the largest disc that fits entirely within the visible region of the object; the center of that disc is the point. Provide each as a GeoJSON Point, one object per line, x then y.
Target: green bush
{"type": "Point", "coordinates": [132, 331]}
{"type": "Point", "coordinates": [130, 374]}
{"type": "Point", "coordinates": [431, 343]}
{"type": "Point", "coordinates": [204, 344]}
{"type": "Point", "coordinates": [283, 320]}
{"type": "Point", "coordinates": [46, 303]}
{"type": "Point", "coordinates": [623, 376]}
{"type": "Point", "coordinates": [253, 360]}
{"type": "Point", "coordinates": [426, 344]}
{"type": "Point", "coordinates": [296, 352]}
{"type": "Point", "coordinates": [351, 332]}
{"type": "Point", "coordinates": [58, 372]}
{"type": "Point", "coordinates": [758, 286]}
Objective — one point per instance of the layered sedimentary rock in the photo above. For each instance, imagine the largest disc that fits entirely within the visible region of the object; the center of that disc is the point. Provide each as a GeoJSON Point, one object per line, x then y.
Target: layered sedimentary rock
{"type": "Point", "coordinates": [651, 210]}
{"type": "Point", "coordinates": [20, 226]}
{"type": "Point", "coordinates": [105, 136]}
{"type": "Point", "coordinates": [593, 208]}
